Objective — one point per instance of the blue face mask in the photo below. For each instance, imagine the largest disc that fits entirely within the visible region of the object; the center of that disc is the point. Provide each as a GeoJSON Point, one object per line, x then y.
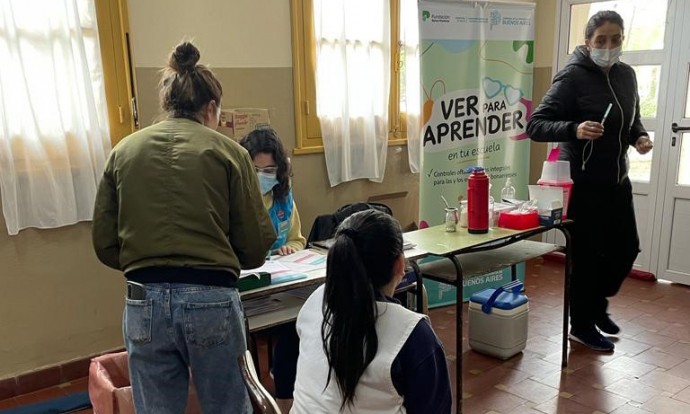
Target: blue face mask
{"type": "Point", "coordinates": [267, 181]}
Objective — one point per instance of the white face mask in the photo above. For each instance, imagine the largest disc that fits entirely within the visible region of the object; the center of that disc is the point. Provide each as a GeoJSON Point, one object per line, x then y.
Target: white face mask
{"type": "Point", "coordinates": [267, 182]}
{"type": "Point", "coordinates": [605, 57]}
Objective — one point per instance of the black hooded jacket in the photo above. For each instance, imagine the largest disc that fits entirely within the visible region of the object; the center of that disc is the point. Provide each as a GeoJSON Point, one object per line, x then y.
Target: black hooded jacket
{"type": "Point", "coordinates": [581, 92]}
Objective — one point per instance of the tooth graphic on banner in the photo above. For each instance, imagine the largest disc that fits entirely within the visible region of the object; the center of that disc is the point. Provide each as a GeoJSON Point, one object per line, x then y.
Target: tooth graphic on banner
{"type": "Point", "coordinates": [491, 87]}
{"type": "Point", "coordinates": [513, 95]}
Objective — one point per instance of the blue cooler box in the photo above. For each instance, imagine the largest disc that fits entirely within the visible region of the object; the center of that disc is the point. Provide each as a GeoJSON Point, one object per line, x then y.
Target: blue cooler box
{"type": "Point", "coordinates": [498, 321]}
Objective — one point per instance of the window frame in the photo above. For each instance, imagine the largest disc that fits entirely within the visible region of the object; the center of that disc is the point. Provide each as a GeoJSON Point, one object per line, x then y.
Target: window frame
{"type": "Point", "coordinates": [308, 138]}
{"type": "Point", "coordinates": [118, 74]}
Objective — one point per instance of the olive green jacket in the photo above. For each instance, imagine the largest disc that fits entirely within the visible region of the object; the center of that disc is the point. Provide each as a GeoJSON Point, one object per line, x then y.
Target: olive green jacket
{"type": "Point", "coordinates": [180, 194]}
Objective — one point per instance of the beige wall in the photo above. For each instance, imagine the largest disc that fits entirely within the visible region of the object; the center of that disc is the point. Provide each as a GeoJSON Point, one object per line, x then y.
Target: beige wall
{"type": "Point", "coordinates": [230, 33]}
{"type": "Point", "coordinates": [57, 302]}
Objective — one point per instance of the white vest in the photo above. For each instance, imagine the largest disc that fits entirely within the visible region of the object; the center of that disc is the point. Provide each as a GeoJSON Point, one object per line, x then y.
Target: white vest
{"type": "Point", "coordinates": [375, 392]}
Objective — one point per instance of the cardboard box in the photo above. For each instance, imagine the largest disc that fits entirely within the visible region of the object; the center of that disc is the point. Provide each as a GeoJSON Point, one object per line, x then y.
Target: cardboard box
{"type": "Point", "coordinates": [238, 122]}
{"type": "Point", "coordinates": [551, 217]}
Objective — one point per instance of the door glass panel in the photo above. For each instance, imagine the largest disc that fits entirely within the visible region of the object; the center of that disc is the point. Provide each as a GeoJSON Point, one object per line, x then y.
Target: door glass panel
{"type": "Point", "coordinates": [640, 165]}
{"type": "Point", "coordinates": [687, 98]}
{"type": "Point", "coordinates": [644, 21]}
{"type": "Point", "coordinates": [684, 163]}
{"type": "Point", "coordinates": [648, 88]}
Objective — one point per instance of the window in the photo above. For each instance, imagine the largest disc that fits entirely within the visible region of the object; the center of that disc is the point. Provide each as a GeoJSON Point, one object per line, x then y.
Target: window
{"type": "Point", "coordinates": [63, 62]}
{"type": "Point", "coordinates": [645, 22]}
{"type": "Point", "coordinates": [308, 128]}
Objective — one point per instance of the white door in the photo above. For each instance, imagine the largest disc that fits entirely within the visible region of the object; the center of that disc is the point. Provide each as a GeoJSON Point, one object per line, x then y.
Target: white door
{"type": "Point", "coordinates": [654, 34]}
{"type": "Point", "coordinates": [674, 216]}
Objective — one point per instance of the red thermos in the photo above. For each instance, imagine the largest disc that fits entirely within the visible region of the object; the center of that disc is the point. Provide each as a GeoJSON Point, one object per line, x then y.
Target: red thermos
{"type": "Point", "coordinates": [478, 201]}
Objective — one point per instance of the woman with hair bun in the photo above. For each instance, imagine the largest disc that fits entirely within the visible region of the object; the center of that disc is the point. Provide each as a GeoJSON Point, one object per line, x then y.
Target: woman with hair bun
{"type": "Point", "coordinates": [179, 211]}
{"type": "Point", "coordinates": [360, 351]}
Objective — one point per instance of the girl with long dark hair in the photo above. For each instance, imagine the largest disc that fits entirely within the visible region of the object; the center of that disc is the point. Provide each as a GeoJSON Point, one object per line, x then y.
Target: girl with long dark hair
{"type": "Point", "coordinates": [360, 350]}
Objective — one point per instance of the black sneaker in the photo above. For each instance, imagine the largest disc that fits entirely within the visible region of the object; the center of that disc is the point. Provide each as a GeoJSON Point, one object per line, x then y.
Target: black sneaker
{"type": "Point", "coordinates": [592, 339]}
{"type": "Point", "coordinates": [606, 325]}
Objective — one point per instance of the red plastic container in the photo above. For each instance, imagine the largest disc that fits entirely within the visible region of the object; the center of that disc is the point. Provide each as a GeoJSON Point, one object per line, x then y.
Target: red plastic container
{"type": "Point", "coordinates": [518, 220]}
{"type": "Point", "coordinates": [110, 391]}
{"type": "Point", "coordinates": [478, 202]}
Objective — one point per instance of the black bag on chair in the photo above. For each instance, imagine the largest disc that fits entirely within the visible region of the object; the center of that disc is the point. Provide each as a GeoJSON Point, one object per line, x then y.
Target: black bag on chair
{"type": "Point", "coordinates": [325, 225]}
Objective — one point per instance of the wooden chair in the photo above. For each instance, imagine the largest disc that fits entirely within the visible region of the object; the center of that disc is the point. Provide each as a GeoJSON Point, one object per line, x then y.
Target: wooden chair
{"type": "Point", "coordinates": [262, 401]}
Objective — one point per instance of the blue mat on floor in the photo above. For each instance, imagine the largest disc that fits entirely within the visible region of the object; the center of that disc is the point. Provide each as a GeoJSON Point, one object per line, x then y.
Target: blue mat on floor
{"type": "Point", "coordinates": [66, 404]}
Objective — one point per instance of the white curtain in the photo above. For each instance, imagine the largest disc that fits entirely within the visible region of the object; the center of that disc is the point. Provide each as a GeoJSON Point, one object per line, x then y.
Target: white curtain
{"type": "Point", "coordinates": [352, 86]}
{"type": "Point", "coordinates": [411, 103]}
{"type": "Point", "coordinates": [53, 120]}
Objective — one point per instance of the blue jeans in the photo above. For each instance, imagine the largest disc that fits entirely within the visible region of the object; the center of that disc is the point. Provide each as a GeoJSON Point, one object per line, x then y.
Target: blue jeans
{"type": "Point", "coordinates": [180, 328]}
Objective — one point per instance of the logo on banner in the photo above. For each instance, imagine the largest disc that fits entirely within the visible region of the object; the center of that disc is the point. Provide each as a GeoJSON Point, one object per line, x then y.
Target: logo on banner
{"type": "Point", "coordinates": [494, 18]}
{"type": "Point", "coordinates": [435, 18]}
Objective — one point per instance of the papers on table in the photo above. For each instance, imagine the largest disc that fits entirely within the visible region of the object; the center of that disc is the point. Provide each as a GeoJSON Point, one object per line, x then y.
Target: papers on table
{"type": "Point", "coordinates": [303, 261]}
{"type": "Point", "coordinates": [288, 268]}
{"type": "Point", "coordinates": [270, 266]}
{"type": "Point", "coordinates": [286, 276]}
{"type": "Point", "coordinates": [326, 244]}
{"type": "Point", "coordinates": [298, 265]}
{"type": "Point", "coordinates": [407, 245]}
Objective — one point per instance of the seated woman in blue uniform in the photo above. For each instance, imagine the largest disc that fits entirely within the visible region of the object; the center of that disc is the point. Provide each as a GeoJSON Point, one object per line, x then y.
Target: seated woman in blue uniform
{"type": "Point", "coordinates": [273, 168]}
{"type": "Point", "coordinates": [359, 350]}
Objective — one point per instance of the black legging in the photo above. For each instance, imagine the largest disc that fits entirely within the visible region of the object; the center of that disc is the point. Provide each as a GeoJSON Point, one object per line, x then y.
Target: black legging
{"type": "Point", "coordinates": [605, 245]}
{"type": "Point", "coordinates": [285, 353]}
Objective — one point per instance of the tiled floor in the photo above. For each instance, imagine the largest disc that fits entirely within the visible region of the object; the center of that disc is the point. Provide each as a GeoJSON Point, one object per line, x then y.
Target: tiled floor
{"type": "Point", "coordinates": [62, 390]}
{"type": "Point", "coordinates": [648, 373]}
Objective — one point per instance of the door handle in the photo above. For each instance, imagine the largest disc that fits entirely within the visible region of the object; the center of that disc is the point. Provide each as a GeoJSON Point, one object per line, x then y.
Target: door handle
{"type": "Point", "coordinates": [675, 127]}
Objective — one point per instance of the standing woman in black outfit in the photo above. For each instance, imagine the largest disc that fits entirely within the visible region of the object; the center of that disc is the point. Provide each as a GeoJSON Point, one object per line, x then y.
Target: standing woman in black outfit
{"type": "Point", "coordinates": [605, 240]}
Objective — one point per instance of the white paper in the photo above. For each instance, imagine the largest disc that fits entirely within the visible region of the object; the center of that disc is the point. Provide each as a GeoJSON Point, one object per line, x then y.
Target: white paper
{"type": "Point", "coordinates": [407, 245]}
{"type": "Point", "coordinates": [548, 198]}
{"type": "Point", "coordinates": [304, 261]}
{"type": "Point", "coordinates": [270, 266]}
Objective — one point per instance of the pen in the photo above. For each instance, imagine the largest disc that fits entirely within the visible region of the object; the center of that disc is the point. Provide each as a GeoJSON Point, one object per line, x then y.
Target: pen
{"type": "Point", "coordinates": [606, 114]}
